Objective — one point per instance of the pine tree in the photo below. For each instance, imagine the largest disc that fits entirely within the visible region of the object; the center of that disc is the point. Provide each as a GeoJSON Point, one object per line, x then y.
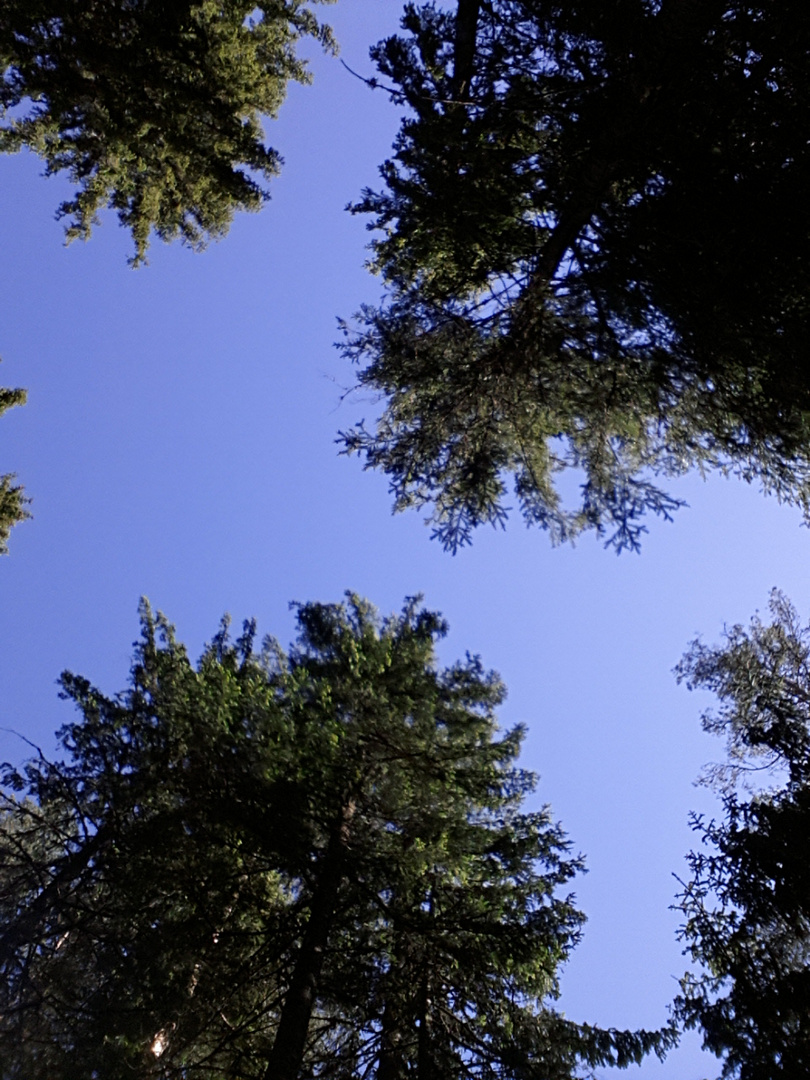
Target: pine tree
{"type": "Point", "coordinates": [594, 236]}
{"type": "Point", "coordinates": [747, 905]}
{"type": "Point", "coordinates": [311, 863]}
{"type": "Point", "coordinates": [153, 109]}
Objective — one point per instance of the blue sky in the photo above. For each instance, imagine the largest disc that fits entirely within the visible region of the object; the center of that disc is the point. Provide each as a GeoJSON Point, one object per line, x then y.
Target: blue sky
{"type": "Point", "coordinates": [179, 444]}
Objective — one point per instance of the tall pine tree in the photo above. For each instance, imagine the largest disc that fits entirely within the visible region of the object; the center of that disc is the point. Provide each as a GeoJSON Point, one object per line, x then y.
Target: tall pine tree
{"type": "Point", "coordinates": [747, 905]}
{"type": "Point", "coordinates": [595, 240]}
{"type": "Point", "coordinates": [312, 863]}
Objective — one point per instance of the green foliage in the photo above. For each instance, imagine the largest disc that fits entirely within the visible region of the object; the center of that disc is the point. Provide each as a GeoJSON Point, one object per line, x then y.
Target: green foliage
{"type": "Point", "coordinates": [12, 500]}
{"type": "Point", "coordinates": [596, 259]}
{"type": "Point", "coordinates": [153, 109]}
{"type": "Point", "coordinates": [285, 864]}
{"type": "Point", "coordinates": [747, 906]}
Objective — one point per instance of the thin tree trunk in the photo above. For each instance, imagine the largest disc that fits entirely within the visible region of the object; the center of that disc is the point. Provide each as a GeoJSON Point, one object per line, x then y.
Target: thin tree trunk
{"type": "Point", "coordinates": [287, 1055]}
{"type": "Point", "coordinates": [424, 1052]}
{"type": "Point", "coordinates": [464, 46]}
{"type": "Point", "coordinates": [392, 1062]}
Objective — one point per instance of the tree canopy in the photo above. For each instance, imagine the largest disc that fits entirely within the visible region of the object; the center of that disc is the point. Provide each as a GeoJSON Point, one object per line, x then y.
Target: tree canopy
{"type": "Point", "coordinates": [596, 245]}
{"type": "Point", "coordinates": [747, 905]}
{"type": "Point", "coordinates": [283, 864]}
{"type": "Point", "coordinates": [152, 108]}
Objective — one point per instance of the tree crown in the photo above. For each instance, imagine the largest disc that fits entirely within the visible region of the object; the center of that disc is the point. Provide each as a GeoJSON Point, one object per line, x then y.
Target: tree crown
{"type": "Point", "coordinates": [153, 109]}
{"type": "Point", "coordinates": [285, 863]}
{"type": "Point", "coordinates": [595, 258]}
{"type": "Point", "coordinates": [746, 905]}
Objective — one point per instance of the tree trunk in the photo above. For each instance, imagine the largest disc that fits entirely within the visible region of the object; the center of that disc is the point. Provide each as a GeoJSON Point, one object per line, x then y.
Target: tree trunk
{"type": "Point", "coordinates": [287, 1055]}
{"type": "Point", "coordinates": [424, 1060]}
{"type": "Point", "coordinates": [464, 47]}
{"type": "Point", "coordinates": [392, 1064]}
{"type": "Point", "coordinates": [424, 1050]}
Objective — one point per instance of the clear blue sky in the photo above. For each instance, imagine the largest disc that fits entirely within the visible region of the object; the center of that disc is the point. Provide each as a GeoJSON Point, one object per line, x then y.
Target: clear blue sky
{"type": "Point", "coordinates": [179, 443]}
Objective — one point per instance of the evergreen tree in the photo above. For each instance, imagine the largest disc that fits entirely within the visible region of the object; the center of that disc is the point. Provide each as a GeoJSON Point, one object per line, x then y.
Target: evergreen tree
{"type": "Point", "coordinates": [152, 108]}
{"type": "Point", "coordinates": [274, 864]}
{"type": "Point", "coordinates": [596, 243]}
{"type": "Point", "coordinates": [747, 905]}
{"type": "Point", "coordinates": [12, 500]}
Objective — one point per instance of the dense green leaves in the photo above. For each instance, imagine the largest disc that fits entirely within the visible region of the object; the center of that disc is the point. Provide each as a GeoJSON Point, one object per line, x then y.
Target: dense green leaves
{"type": "Point", "coordinates": [12, 500]}
{"type": "Point", "coordinates": [596, 244]}
{"type": "Point", "coordinates": [747, 906]}
{"type": "Point", "coordinates": [126, 908]}
{"type": "Point", "coordinates": [289, 864]}
{"type": "Point", "coordinates": [152, 108]}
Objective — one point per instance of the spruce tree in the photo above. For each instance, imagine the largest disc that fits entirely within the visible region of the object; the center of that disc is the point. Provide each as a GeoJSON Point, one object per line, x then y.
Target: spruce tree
{"type": "Point", "coordinates": [288, 864]}
{"type": "Point", "coordinates": [153, 109]}
{"type": "Point", "coordinates": [747, 905]}
{"type": "Point", "coordinates": [595, 240]}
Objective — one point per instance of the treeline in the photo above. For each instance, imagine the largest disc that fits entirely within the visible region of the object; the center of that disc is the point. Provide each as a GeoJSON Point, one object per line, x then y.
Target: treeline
{"type": "Point", "coordinates": [594, 239]}
{"type": "Point", "coordinates": [318, 863]}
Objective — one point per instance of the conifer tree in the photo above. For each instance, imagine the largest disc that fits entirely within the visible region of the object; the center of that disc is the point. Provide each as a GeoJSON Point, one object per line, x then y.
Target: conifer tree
{"type": "Point", "coordinates": [596, 245]}
{"type": "Point", "coordinates": [153, 109]}
{"type": "Point", "coordinates": [747, 905]}
{"type": "Point", "coordinates": [313, 863]}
